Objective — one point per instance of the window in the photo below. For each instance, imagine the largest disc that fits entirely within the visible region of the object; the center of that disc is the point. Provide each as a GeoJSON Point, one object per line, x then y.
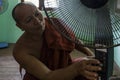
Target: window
{"type": "Point", "coordinates": [36, 2]}
{"type": "Point", "coordinates": [49, 4]}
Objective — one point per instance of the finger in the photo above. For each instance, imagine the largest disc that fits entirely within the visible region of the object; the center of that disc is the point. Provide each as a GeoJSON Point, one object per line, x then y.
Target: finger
{"type": "Point", "coordinates": [93, 61]}
{"type": "Point", "coordinates": [91, 78]}
{"type": "Point", "coordinates": [91, 75]}
{"type": "Point", "coordinates": [93, 68]}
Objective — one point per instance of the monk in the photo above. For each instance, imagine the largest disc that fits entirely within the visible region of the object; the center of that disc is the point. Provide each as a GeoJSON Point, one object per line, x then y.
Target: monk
{"type": "Point", "coordinates": [44, 53]}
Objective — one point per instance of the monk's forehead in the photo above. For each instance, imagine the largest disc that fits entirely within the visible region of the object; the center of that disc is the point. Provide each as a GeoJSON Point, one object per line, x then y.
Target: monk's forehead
{"type": "Point", "coordinates": [24, 10]}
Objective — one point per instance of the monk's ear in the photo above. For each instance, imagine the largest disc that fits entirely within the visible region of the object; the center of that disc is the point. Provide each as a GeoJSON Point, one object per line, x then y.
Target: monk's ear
{"type": "Point", "coordinates": [20, 26]}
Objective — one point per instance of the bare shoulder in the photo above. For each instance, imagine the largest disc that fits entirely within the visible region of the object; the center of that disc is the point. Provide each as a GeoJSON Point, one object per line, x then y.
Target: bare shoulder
{"type": "Point", "coordinates": [25, 46]}
{"type": "Point", "coordinates": [21, 48]}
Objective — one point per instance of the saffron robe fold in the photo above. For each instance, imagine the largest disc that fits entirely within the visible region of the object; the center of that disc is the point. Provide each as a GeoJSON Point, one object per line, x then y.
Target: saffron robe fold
{"type": "Point", "coordinates": [55, 52]}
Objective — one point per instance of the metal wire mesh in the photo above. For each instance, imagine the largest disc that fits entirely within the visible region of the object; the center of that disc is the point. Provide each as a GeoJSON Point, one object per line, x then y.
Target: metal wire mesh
{"type": "Point", "coordinates": [97, 28]}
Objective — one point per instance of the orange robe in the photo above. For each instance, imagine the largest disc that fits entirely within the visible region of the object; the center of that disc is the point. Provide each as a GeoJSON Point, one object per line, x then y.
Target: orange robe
{"type": "Point", "coordinates": [55, 52]}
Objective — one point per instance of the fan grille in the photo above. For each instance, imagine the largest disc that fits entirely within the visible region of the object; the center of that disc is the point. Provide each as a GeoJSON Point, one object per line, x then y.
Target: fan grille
{"type": "Point", "coordinates": [97, 28]}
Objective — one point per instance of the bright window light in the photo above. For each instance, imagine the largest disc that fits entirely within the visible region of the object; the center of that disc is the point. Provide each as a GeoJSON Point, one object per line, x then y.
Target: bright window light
{"type": "Point", "coordinates": [51, 3]}
{"type": "Point", "coordinates": [36, 2]}
{"type": "Point", "coordinates": [48, 3]}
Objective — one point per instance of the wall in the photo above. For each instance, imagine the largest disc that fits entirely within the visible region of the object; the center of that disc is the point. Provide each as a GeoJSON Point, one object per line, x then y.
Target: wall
{"type": "Point", "coordinates": [8, 30]}
{"type": "Point", "coordinates": [117, 55]}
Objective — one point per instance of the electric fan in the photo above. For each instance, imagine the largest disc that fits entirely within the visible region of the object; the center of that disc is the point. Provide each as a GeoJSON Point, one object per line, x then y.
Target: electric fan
{"type": "Point", "coordinates": [92, 21]}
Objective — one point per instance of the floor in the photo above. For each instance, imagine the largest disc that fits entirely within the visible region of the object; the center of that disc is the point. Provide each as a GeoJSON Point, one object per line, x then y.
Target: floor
{"type": "Point", "coordinates": [9, 68]}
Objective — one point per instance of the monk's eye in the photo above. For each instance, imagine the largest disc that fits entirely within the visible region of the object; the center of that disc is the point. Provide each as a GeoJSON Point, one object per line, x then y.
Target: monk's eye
{"type": "Point", "coordinates": [29, 20]}
{"type": "Point", "coordinates": [36, 14]}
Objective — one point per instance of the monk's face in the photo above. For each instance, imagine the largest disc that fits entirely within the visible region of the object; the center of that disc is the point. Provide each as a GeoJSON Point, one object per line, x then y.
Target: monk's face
{"type": "Point", "coordinates": [30, 19]}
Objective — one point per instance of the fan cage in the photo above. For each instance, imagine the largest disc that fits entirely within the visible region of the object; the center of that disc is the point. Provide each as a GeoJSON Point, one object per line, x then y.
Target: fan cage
{"type": "Point", "coordinates": [85, 29]}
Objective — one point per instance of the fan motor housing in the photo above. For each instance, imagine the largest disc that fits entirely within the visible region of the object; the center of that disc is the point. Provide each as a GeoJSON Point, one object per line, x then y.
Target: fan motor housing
{"type": "Point", "coordinates": [94, 4]}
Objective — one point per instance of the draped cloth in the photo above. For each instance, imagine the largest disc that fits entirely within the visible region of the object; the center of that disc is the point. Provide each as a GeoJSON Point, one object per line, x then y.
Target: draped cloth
{"type": "Point", "coordinates": [56, 49]}
{"type": "Point", "coordinates": [55, 52]}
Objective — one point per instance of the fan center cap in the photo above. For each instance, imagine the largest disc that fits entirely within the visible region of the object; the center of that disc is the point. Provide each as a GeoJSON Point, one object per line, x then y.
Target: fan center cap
{"type": "Point", "coordinates": [94, 4]}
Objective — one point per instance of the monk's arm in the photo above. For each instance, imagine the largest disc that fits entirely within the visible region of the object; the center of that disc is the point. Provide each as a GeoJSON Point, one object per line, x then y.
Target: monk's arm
{"type": "Point", "coordinates": [84, 50]}
{"type": "Point", "coordinates": [39, 70]}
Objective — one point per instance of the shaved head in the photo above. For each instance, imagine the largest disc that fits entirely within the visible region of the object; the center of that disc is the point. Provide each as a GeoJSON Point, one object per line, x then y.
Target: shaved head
{"type": "Point", "coordinates": [19, 6]}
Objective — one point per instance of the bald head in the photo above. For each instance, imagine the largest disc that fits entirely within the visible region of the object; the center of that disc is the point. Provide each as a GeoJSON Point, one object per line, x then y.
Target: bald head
{"type": "Point", "coordinates": [18, 7]}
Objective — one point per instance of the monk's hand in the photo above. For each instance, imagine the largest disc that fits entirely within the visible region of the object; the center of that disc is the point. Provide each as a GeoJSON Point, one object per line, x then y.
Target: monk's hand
{"type": "Point", "coordinates": [88, 69]}
{"type": "Point", "coordinates": [89, 52]}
